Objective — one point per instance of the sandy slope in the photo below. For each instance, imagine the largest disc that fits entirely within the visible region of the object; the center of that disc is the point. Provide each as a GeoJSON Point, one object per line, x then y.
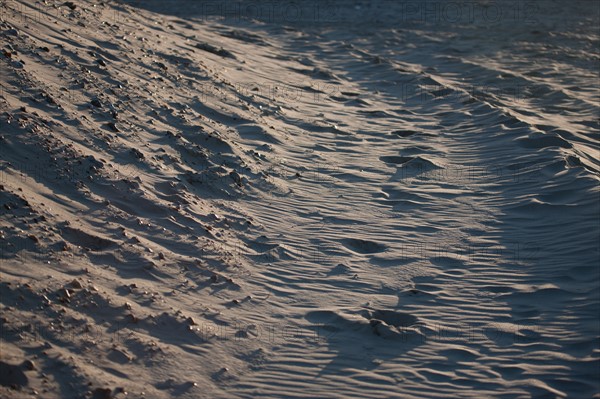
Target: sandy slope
{"type": "Point", "coordinates": [328, 205]}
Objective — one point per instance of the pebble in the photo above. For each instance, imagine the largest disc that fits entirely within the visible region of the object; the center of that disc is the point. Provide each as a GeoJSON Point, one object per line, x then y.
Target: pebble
{"type": "Point", "coordinates": [11, 32]}
{"type": "Point", "coordinates": [76, 284]}
{"type": "Point", "coordinates": [102, 393]}
{"type": "Point", "coordinates": [236, 177]}
{"type": "Point", "coordinates": [137, 153]}
{"type": "Point", "coordinates": [113, 126]}
{"type": "Point", "coordinates": [29, 365]}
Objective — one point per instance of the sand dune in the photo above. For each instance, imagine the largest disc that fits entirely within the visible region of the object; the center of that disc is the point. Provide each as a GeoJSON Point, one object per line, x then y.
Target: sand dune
{"type": "Point", "coordinates": [366, 199]}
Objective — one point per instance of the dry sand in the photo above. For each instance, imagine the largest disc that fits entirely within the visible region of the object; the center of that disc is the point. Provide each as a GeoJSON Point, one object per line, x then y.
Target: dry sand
{"type": "Point", "coordinates": [359, 199]}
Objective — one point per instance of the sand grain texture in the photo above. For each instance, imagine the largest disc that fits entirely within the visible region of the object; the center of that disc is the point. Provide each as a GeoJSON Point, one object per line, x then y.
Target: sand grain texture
{"type": "Point", "coordinates": [347, 201]}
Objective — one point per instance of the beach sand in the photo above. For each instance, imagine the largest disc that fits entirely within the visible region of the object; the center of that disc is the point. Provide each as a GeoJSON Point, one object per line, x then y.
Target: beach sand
{"type": "Point", "coordinates": [343, 199]}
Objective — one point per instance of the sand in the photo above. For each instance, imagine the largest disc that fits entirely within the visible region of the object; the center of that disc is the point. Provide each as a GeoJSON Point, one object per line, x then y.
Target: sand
{"type": "Point", "coordinates": [360, 199]}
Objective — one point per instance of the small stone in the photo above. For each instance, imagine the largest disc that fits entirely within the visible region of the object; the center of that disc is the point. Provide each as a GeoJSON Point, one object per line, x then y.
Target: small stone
{"type": "Point", "coordinates": [137, 153]}
{"type": "Point", "coordinates": [29, 365]}
{"type": "Point", "coordinates": [190, 384]}
{"type": "Point", "coordinates": [76, 284]}
{"type": "Point", "coordinates": [96, 103]}
{"type": "Point", "coordinates": [11, 32]}
{"type": "Point", "coordinates": [64, 295]}
{"type": "Point", "coordinates": [236, 177]}
{"type": "Point", "coordinates": [113, 126]}
{"type": "Point", "coordinates": [102, 393]}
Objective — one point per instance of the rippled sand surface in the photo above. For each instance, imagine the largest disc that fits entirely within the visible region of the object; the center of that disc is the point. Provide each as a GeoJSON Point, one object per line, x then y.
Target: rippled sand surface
{"type": "Point", "coordinates": [343, 199]}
